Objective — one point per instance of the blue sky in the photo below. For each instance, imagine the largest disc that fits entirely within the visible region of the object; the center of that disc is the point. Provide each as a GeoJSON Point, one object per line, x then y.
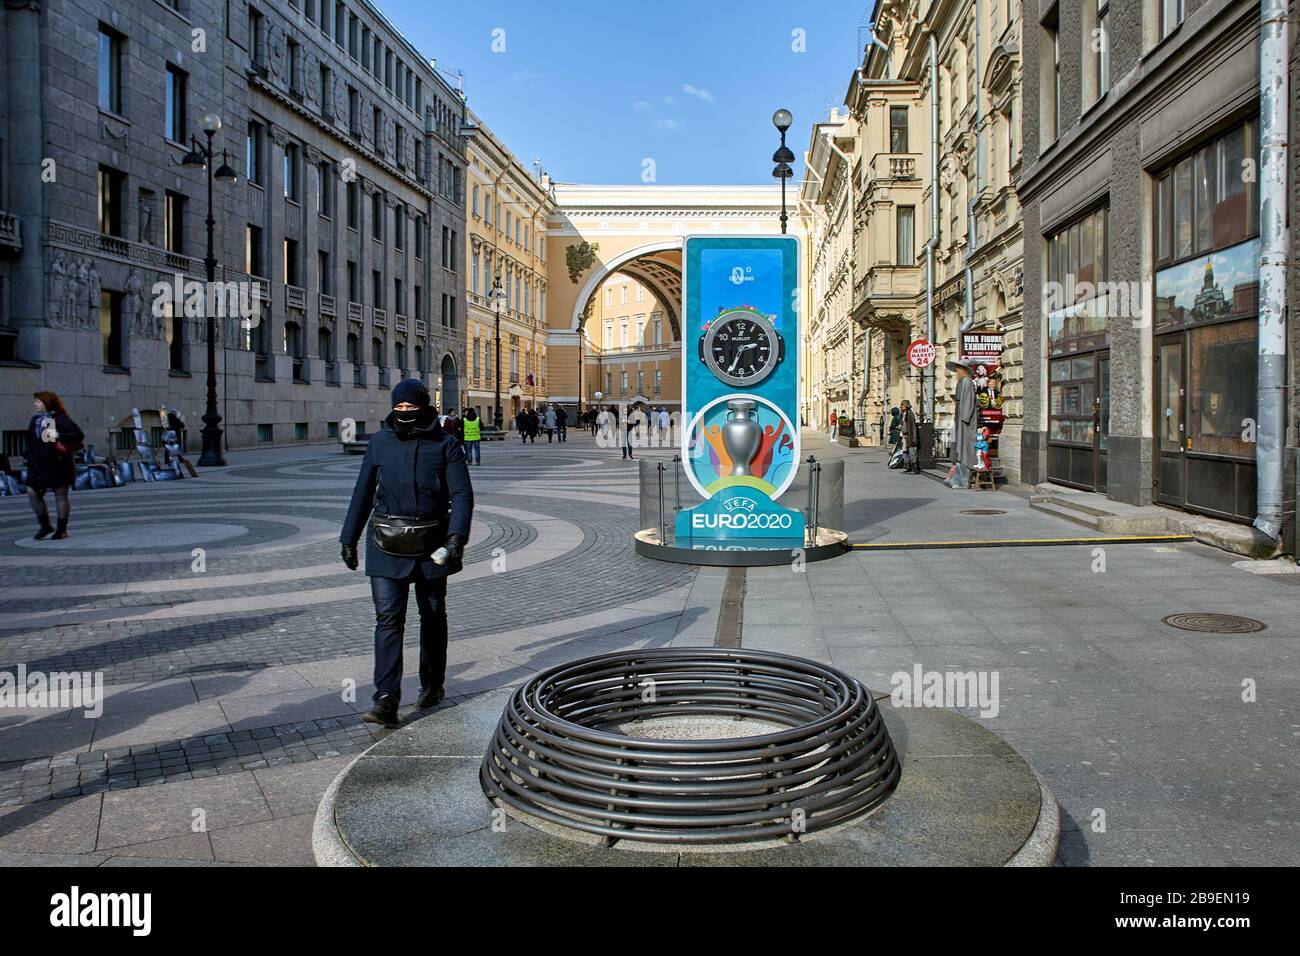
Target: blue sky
{"type": "Point", "coordinates": [593, 89]}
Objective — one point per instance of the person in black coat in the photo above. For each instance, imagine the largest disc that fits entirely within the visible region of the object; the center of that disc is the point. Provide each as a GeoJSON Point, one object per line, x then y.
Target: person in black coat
{"type": "Point", "coordinates": [416, 470]}
{"type": "Point", "coordinates": [52, 439]}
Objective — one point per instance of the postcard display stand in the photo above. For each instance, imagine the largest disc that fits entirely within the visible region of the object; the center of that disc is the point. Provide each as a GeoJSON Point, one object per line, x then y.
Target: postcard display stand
{"type": "Point", "coordinates": [740, 448]}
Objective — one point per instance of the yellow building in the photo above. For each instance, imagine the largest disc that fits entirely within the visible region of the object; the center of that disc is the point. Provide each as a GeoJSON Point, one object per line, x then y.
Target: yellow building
{"type": "Point", "coordinates": [507, 214]}
{"type": "Point", "coordinates": [633, 353]}
{"type": "Point", "coordinates": [939, 206]}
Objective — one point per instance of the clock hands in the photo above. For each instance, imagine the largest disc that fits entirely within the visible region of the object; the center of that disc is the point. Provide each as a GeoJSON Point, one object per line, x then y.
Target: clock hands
{"type": "Point", "coordinates": [736, 359]}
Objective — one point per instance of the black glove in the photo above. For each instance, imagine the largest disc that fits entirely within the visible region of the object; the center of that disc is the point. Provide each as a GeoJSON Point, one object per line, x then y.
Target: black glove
{"type": "Point", "coordinates": [350, 556]}
{"type": "Point", "coordinates": [455, 545]}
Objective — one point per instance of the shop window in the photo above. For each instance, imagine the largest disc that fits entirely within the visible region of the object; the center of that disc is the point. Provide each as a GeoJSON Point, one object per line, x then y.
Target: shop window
{"type": "Point", "coordinates": [1208, 200]}
{"type": "Point", "coordinates": [1222, 392]}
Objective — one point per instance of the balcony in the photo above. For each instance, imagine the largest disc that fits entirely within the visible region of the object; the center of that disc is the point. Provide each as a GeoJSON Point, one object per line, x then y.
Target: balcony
{"type": "Point", "coordinates": [11, 235]}
{"type": "Point", "coordinates": [356, 312]}
{"type": "Point", "coordinates": [379, 317]}
{"type": "Point", "coordinates": [295, 297]}
{"type": "Point", "coordinates": [327, 305]}
{"type": "Point", "coordinates": [902, 167]}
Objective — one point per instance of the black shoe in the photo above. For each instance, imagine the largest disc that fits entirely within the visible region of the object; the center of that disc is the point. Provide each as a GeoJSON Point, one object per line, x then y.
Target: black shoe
{"type": "Point", "coordinates": [62, 531]}
{"type": "Point", "coordinates": [430, 697]}
{"type": "Point", "coordinates": [47, 529]}
{"type": "Point", "coordinates": [383, 713]}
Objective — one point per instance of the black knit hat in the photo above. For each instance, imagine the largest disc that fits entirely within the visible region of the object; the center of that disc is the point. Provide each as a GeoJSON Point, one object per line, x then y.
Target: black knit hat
{"type": "Point", "coordinates": [411, 390]}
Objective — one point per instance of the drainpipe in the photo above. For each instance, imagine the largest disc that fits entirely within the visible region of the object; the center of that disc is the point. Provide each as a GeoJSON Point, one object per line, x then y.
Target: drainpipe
{"type": "Point", "coordinates": [975, 186]}
{"type": "Point", "coordinates": [927, 377]}
{"type": "Point", "coordinates": [1273, 254]}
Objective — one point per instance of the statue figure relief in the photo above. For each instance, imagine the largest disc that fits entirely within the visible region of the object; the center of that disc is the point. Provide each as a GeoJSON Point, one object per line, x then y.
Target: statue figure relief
{"type": "Point", "coordinates": [94, 287]}
{"type": "Point", "coordinates": [132, 302]}
{"type": "Point", "coordinates": [58, 289]}
{"type": "Point", "coordinates": [76, 293]}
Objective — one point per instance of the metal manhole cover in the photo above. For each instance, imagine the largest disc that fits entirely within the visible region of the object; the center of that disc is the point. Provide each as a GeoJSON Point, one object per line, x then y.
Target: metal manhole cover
{"type": "Point", "coordinates": [983, 511]}
{"type": "Point", "coordinates": [1214, 623]}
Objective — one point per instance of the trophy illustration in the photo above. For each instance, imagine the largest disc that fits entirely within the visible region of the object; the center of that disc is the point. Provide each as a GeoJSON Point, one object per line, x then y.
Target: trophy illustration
{"type": "Point", "coordinates": [741, 435]}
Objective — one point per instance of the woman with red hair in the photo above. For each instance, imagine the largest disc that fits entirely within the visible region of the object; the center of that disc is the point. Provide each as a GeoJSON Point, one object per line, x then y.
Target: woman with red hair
{"type": "Point", "coordinates": [52, 439]}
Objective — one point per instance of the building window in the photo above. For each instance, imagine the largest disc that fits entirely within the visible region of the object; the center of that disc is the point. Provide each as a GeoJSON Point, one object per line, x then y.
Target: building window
{"type": "Point", "coordinates": [295, 68]}
{"type": "Point", "coordinates": [377, 216]}
{"type": "Point", "coordinates": [253, 260]}
{"type": "Point", "coordinates": [419, 302]}
{"type": "Point", "coordinates": [326, 92]}
{"type": "Point", "coordinates": [324, 190]}
{"type": "Point", "coordinates": [399, 227]}
{"type": "Point", "coordinates": [293, 347]}
{"type": "Point", "coordinates": [474, 200]}
{"type": "Point", "coordinates": [112, 187]}
{"type": "Point", "coordinates": [354, 204]}
{"type": "Point", "coordinates": [174, 223]}
{"type": "Point", "coordinates": [324, 282]}
{"type": "Point", "coordinates": [1050, 106]}
{"type": "Point", "coordinates": [176, 80]}
{"type": "Point", "coordinates": [253, 153]}
{"type": "Point", "coordinates": [1171, 15]}
{"type": "Point", "coordinates": [898, 129]}
{"type": "Point", "coordinates": [291, 267]}
{"type": "Point", "coordinates": [256, 38]}
{"type": "Point", "coordinates": [905, 237]}
{"type": "Point", "coordinates": [354, 282]}
{"type": "Point", "coordinates": [376, 289]}
{"type": "Point", "coordinates": [399, 350]}
{"type": "Point", "coordinates": [1101, 44]}
{"type": "Point", "coordinates": [1205, 201]}
{"type": "Point", "coordinates": [399, 300]}
{"type": "Point", "coordinates": [1077, 266]}
{"type": "Point", "coordinates": [292, 188]}
{"type": "Point", "coordinates": [110, 69]}
{"type": "Point", "coordinates": [110, 327]}
{"type": "Point", "coordinates": [354, 111]}
{"type": "Point", "coordinates": [419, 237]}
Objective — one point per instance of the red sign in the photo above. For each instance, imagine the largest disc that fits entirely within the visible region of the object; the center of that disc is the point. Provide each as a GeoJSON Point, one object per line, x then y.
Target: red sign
{"type": "Point", "coordinates": [921, 354]}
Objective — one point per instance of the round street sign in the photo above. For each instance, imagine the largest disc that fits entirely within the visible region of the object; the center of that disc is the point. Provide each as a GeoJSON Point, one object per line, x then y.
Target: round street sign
{"type": "Point", "coordinates": [921, 354]}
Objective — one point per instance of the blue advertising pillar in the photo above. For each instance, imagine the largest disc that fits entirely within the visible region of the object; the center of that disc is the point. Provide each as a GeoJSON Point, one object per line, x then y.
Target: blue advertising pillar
{"type": "Point", "coordinates": [740, 377]}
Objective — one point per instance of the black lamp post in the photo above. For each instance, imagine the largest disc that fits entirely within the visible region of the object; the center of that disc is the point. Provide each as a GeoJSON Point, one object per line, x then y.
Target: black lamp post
{"type": "Point", "coordinates": [497, 293]}
{"type": "Point", "coordinates": [783, 157]}
{"type": "Point", "coordinates": [201, 157]}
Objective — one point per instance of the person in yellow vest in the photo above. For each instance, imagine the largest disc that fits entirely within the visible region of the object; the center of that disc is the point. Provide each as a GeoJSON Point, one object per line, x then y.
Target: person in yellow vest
{"type": "Point", "coordinates": [472, 437]}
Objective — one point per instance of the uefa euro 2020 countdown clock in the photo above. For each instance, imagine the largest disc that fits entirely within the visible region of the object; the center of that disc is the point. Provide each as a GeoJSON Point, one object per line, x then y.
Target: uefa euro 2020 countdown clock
{"type": "Point", "coordinates": [741, 347]}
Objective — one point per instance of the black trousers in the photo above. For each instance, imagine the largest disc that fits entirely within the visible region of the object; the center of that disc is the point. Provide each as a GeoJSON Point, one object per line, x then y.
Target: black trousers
{"type": "Point", "coordinates": [390, 596]}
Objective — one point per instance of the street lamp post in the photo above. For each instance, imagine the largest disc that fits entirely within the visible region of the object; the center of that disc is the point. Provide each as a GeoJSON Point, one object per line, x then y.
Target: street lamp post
{"type": "Point", "coordinates": [200, 156]}
{"type": "Point", "coordinates": [783, 157]}
{"type": "Point", "coordinates": [497, 293]}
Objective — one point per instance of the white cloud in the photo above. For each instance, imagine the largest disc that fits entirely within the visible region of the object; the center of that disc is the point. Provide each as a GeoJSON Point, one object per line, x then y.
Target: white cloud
{"type": "Point", "coordinates": [669, 123]}
{"type": "Point", "coordinates": [670, 100]}
{"type": "Point", "coordinates": [641, 105]}
{"type": "Point", "coordinates": [698, 92]}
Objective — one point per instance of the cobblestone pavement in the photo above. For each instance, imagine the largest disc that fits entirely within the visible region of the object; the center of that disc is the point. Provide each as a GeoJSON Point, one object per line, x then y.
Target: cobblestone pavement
{"type": "Point", "coordinates": [235, 673]}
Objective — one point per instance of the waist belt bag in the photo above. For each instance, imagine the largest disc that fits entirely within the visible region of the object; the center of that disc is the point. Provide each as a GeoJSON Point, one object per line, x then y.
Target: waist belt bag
{"type": "Point", "coordinates": [406, 537]}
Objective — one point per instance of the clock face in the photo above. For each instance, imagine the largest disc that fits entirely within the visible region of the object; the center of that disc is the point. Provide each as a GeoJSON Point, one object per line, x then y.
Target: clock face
{"type": "Point", "coordinates": [742, 348]}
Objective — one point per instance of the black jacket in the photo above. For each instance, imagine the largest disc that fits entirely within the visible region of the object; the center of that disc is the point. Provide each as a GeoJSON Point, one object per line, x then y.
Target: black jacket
{"type": "Point", "coordinates": [420, 475]}
{"type": "Point", "coordinates": [46, 468]}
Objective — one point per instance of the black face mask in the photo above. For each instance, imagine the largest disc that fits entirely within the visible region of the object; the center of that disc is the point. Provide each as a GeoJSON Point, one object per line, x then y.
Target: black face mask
{"type": "Point", "coordinates": [411, 420]}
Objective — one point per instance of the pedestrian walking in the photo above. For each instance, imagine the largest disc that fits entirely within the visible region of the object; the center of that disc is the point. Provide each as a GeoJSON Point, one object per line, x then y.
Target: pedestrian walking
{"type": "Point", "coordinates": [908, 438]}
{"type": "Point", "coordinates": [895, 421]}
{"type": "Point", "coordinates": [52, 439]}
{"type": "Point", "coordinates": [551, 422]}
{"type": "Point", "coordinates": [521, 424]}
{"type": "Point", "coordinates": [835, 421]}
{"type": "Point", "coordinates": [562, 424]}
{"type": "Point", "coordinates": [602, 423]}
{"type": "Point", "coordinates": [472, 437]}
{"type": "Point", "coordinates": [965, 421]}
{"type": "Point", "coordinates": [534, 425]}
{"type": "Point", "coordinates": [634, 420]}
{"type": "Point", "coordinates": [414, 492]}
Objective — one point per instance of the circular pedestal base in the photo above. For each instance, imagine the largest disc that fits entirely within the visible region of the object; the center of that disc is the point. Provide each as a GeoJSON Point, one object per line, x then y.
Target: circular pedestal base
{"type": "Point", "coordinates": [965, 798]}
{"type": "Point", "coordinates": [716, 552]}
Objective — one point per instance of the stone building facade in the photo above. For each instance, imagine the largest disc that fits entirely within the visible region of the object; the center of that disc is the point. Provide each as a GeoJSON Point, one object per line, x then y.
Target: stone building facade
{"type": "Point", "coordinates": [833, 370]}
{"type": "Point", "coordinates": [507, 215]}
{"type": "Point", "coordinates": [345, 225]}
{"type": "Point", "coordinates": [1141, 218]}
{"type": "Point", "coordinates": [977, 251]}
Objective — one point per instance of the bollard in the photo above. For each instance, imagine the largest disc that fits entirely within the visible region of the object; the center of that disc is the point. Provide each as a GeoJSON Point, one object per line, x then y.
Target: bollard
{"type": "Point", "coordinates": [663, 527]}
{"type": "Point", "coordinates": [815, 488]}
